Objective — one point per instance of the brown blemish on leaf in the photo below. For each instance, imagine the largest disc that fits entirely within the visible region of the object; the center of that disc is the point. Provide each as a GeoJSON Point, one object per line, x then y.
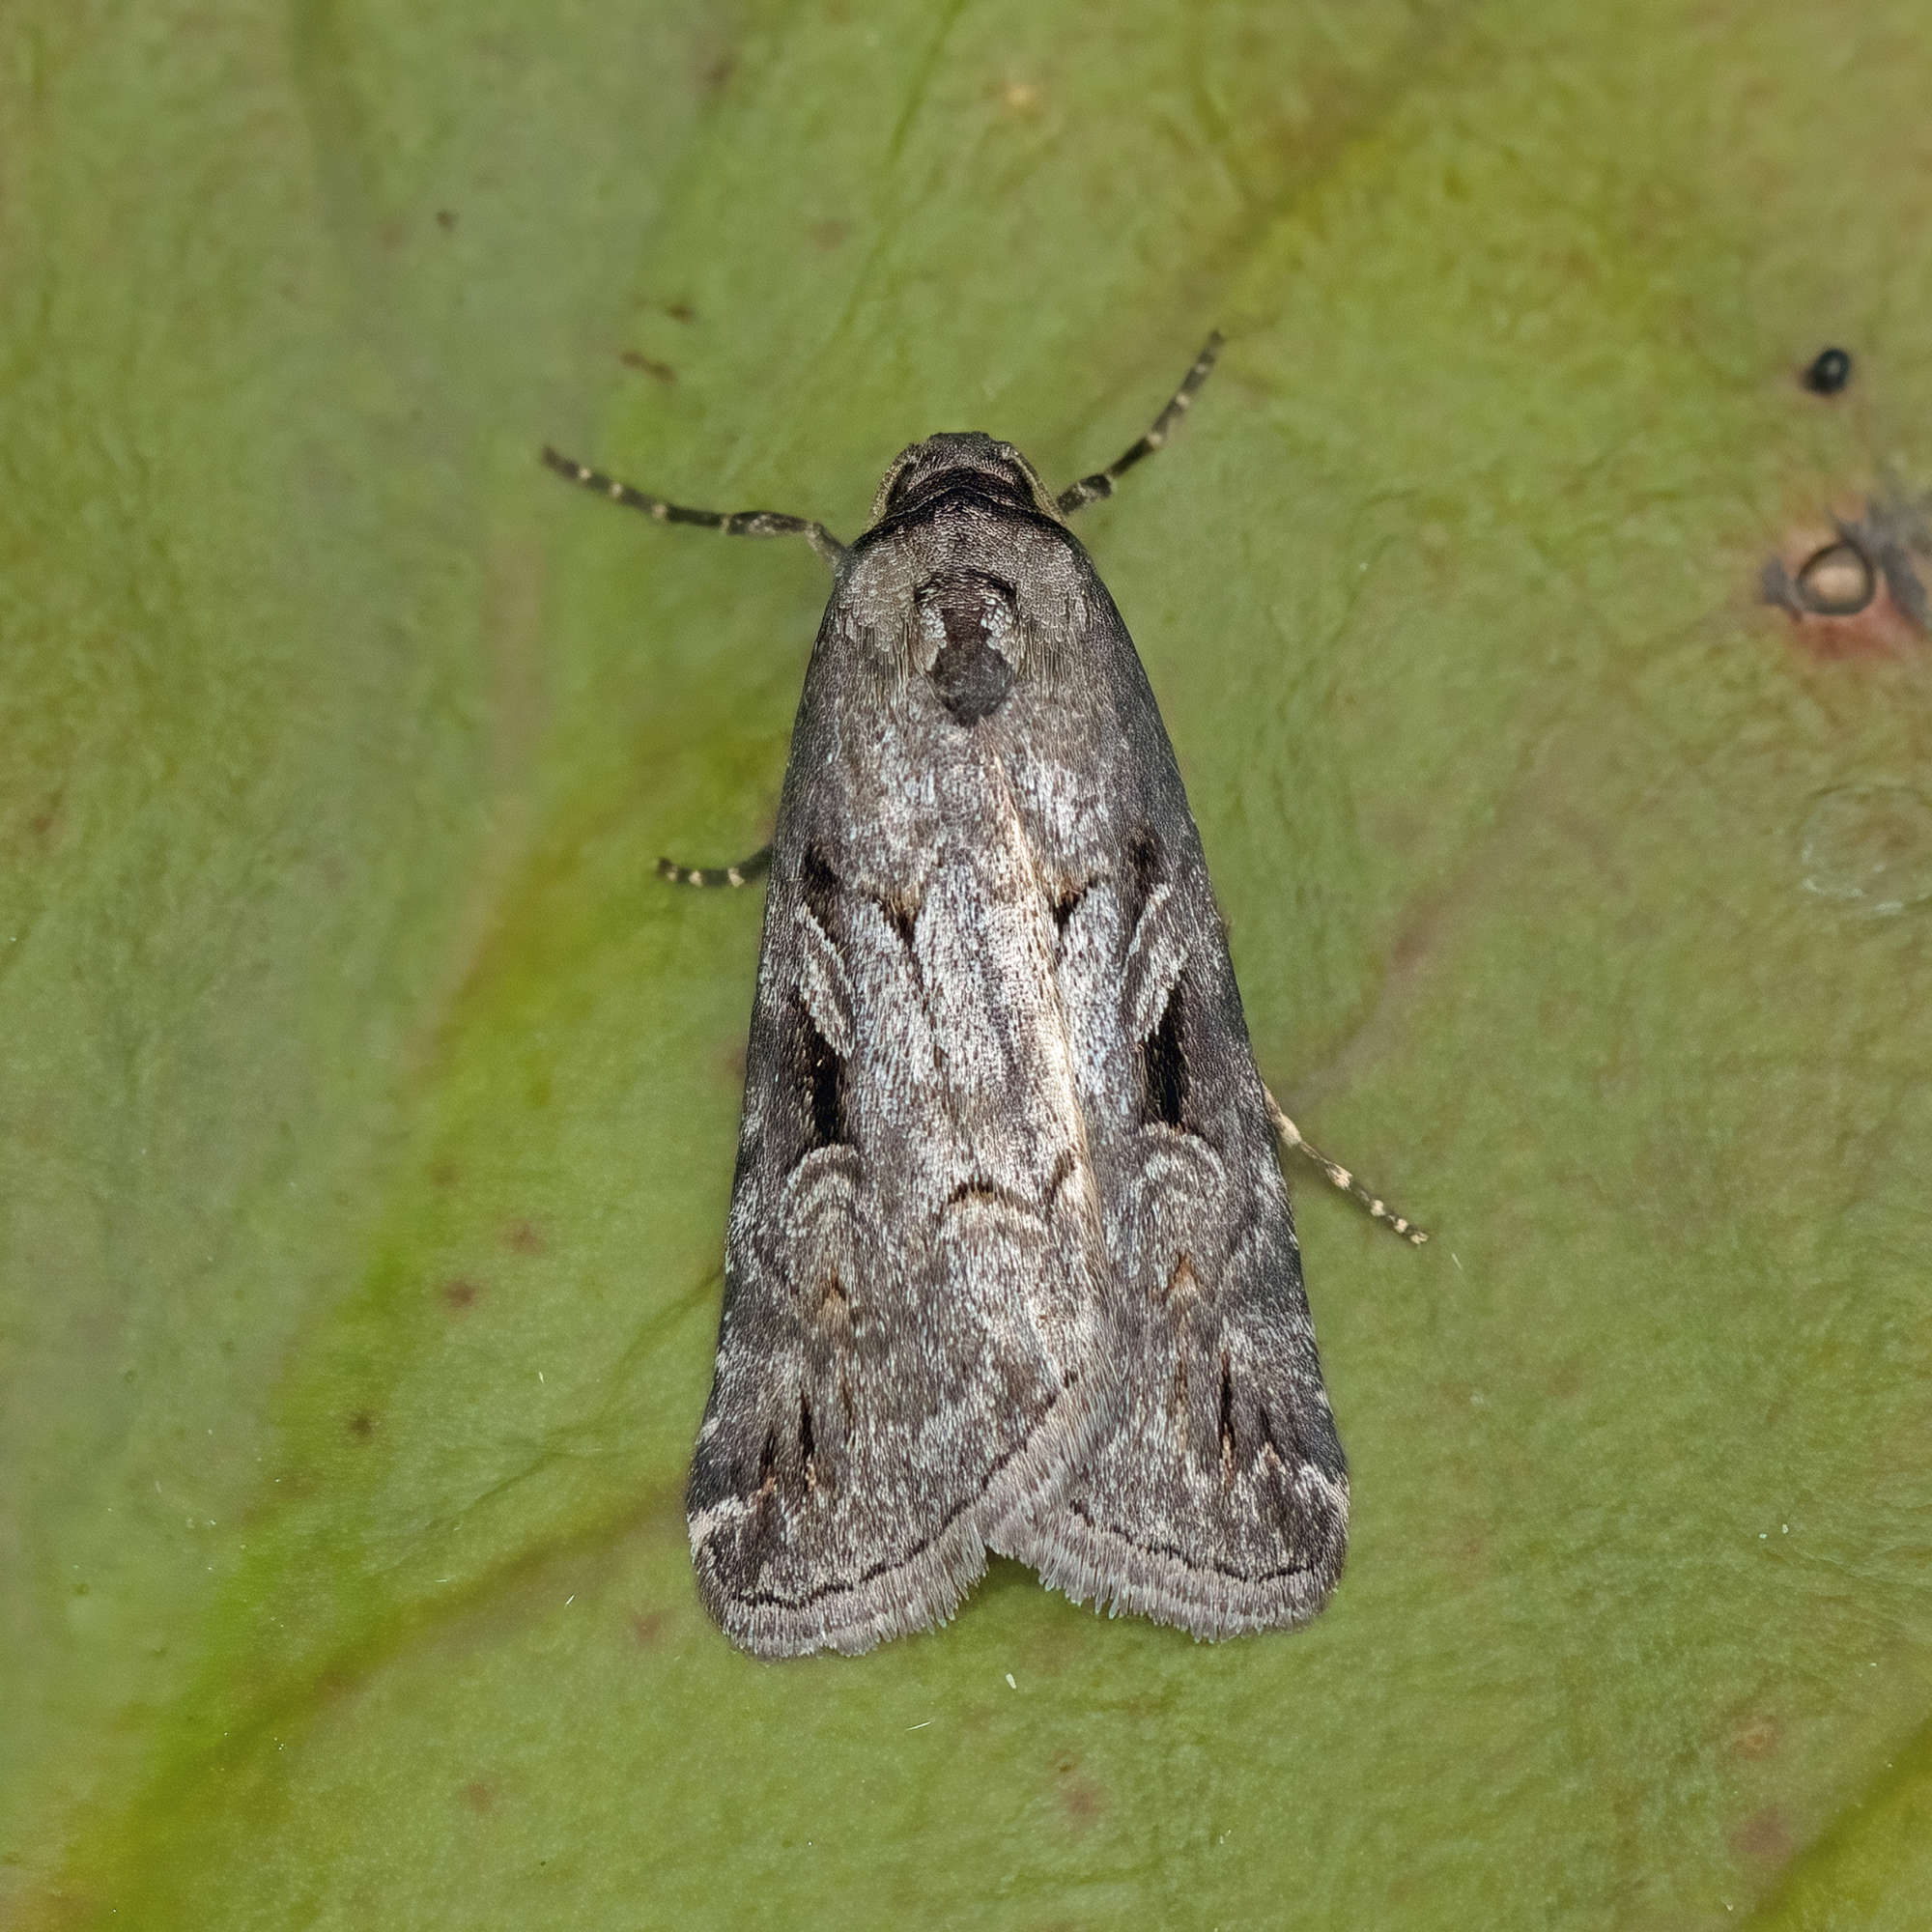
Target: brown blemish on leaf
{"type": "Point", "coordinates": [1764, 1836]}
{"type": "Point", "coordinates": [647, 1627]}
{"type": "Point", "coordinates": [459, 1294]}
{"type": "Point", "coordinates": [1835, 582]}
{"type": "Point", "coordinates": [828, 235]}
{"type": "Point", "coordinates": [362, 1425]}
{"type": "Point", "coordinates": [1079, 1797]}
{"type": "Point", "coordinates": [443, 1174]}
{"type": "Point", "coordinates": [1854, 588]}
{"type": "Point", "coordinates": [446, 218]}
{"type": "Point", "coordinates": [479, 1797]}
{"type": "Point", "coordinates": [680, 311]}
{"type": "Point", "coordinates": [521, 1237]}
{"type": "Point", "coordinates": [1759, 1738]}
{"type": "Point", "coordinates": [634, 359]}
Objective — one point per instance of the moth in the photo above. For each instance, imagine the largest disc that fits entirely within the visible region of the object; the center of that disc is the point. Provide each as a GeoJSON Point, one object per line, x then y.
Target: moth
{"type": "Point", "coordinates": [1010, 1265]}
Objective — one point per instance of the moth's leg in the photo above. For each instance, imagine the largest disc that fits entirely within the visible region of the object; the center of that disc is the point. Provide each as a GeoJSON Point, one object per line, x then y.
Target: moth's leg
{"type": "Point", "coordinates": [739, 874]}
{"type": "Point", "coordinates": [1340, 1176]}
{"type": "Point", "coordinates": [735, 524]}
{"type": "Point", "coordinates": [1091, 489]}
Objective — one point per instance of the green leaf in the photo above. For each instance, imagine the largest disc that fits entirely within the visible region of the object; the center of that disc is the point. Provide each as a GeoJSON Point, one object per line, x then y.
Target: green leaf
{"type": "Point", "coordinates": [368, 1108]}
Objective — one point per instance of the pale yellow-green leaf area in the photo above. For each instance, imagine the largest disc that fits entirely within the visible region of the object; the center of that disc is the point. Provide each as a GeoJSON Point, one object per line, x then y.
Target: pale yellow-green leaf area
{"type": "Point", "coordinates": [367, 1107]}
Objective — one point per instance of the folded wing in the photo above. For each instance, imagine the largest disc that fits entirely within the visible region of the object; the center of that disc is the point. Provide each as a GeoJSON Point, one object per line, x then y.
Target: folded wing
{"type": "Point", "coordinates": [1217, 1498]}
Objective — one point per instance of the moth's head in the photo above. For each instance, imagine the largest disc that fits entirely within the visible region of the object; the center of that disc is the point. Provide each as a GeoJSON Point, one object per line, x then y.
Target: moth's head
{"type": "Point", "coordinates": [960, 468]}
{"type": "Point", "coordinates": [968, 576]}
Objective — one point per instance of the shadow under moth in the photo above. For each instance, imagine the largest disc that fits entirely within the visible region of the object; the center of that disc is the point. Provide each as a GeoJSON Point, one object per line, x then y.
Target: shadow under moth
{"type": "Point", "coordinates": [1009, 1263]}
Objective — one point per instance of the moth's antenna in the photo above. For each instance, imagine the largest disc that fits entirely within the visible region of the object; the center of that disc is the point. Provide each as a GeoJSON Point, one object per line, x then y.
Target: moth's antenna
{"type": "Point", "coordinates": [734, 523]}
{"type": "Point", "coordinates": [1340, 1176]}
{"type": "Point", "coordinates": [1091, 489]}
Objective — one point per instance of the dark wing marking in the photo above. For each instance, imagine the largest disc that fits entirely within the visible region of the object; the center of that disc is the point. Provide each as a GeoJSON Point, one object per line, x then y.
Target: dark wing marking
{"type": "Point", "coordinates": [1218, 1499]}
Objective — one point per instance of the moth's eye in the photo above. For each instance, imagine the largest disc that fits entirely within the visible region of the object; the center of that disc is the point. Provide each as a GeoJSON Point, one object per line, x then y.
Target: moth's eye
{"type": "Point", "coordinates": [968, 622]}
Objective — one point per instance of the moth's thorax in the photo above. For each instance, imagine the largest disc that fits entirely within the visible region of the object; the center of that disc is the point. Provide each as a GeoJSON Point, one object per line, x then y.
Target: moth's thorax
{"type": "Point", "coordinates": [968, 589]}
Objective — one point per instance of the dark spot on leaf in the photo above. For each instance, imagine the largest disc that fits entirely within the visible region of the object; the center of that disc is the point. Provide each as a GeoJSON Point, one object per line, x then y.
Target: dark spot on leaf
{"type": "Point", "coordinates": [479, 1797]}
{"type": "Point", "coordinates": [446, 218]}
{"type": "Point", "coordinates": [523, 1239]}
{"type": "Point", "coordinates": [829, 234]}
{"type": "Point", "coordinates": [459, 1294]}
{"type": "Point", "coordinates": [1827, 372]}
{"type": "Point", "coordinates": [680, 312]}
{"type": "Point", "coordinates": [647, 1627]}
{"type": "Point", "coordinates": [362, 1425]}
{"type": "Point", "coordinates": [648, 365]}
{"type": "Point", "coordinates": [1759, 1738]}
